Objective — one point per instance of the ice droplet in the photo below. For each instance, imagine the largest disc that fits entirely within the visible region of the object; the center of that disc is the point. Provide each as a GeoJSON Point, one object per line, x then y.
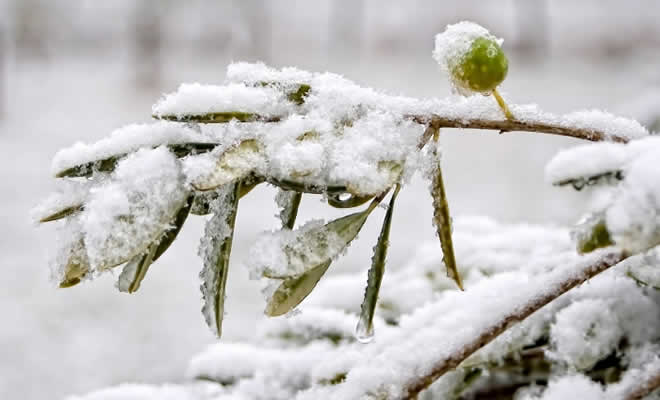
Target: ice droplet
{"type": "Point", "coordinates": [364, 332]}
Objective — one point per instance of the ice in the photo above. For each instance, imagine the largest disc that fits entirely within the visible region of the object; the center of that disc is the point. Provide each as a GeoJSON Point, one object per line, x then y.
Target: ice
{"type": "Point", "coordinates": [137, 204]}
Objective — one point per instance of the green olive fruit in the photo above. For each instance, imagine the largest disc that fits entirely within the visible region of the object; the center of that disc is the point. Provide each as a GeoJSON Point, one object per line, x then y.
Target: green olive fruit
{"type": "Point", "coordinates": [482, 68]}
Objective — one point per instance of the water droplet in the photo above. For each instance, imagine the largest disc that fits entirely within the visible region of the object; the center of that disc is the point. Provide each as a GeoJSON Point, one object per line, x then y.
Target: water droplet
{"type": "Point", "coordinates": [364, 332]}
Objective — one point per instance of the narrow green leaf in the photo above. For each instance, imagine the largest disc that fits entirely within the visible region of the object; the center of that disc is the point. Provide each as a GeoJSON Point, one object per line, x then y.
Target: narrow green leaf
{"type": "Point", "coordinates": [289, 202]}
{"type": "Point", "coordinates": [322, 244]}
{"type": "Point", "coordinates": [580, 182]}
{"type": "Point", "coordinates": [134, 272]}
{"type": "Point", "coordinates": [294, 290]}
{"type": "Point", "coordinates": [220, 228]}
{"type": "Point", "coordinates": [442, 221]}
{"type": "Point", "coordinates": [365, 328]}
{"type": "Point", "coordinates": [77, 265]}
{"type": "Point", "coordinates": [63, 213]}
{"type": "Point", "coordinates": [218, 117]}
{"type": "Point", "coordinates": [109, 164]}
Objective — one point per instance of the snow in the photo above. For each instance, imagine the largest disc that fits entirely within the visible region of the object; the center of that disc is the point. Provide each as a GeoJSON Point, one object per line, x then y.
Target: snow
{"type": "Point", "coordinates": [592, 319]}
{"type": "Point", "coordinates": [634, 217]}
{"type": "Point", "coordinates": [584, 161]}
{"type": "Point", "coordinates": [125, 140]}
{"type": "Point", "coordinates": [198, 99]}
{"type": "Point", "coordinates": [69, 195]}
{"type": "Point", "coordinates": [123, 216]}
{"type": "Point", "coordinates": [571, 387]}
{"type": "Point", "coordinates": [288, 253]}
{"type": "Point", "coordinates": [348, 360]}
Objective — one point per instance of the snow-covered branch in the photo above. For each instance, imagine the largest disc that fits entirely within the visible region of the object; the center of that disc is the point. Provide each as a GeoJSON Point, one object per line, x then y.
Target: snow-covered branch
{"type": "Point", "coordinates": [518, 312]}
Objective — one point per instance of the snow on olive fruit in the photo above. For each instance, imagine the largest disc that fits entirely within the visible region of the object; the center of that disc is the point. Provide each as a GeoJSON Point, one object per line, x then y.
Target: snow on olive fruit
{"type": "Point", "coordinates": [483, 67]}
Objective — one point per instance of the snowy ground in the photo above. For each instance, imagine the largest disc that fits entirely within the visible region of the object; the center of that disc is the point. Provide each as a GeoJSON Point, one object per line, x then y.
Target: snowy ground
{"type": "Point", "coordinates": [55, 342]}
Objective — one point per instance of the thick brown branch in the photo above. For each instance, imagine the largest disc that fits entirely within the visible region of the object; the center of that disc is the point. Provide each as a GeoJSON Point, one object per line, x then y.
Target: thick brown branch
{"type": "Point", "coordinates": [518, 314]}
{"type": "Point", "coordinates": [645, 388]}
{"type": "Point", "coordinates": [439, 121]}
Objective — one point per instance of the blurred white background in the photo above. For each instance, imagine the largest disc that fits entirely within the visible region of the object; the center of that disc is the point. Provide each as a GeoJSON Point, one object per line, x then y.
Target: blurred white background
{"type": "Point", "coordinates": [75, 70]}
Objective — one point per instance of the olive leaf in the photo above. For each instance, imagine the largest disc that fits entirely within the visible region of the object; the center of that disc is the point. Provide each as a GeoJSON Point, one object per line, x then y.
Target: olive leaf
{"type": "Point", "coordinates": [316, 255]}
{"type": "Point", "coordinates": [77, 265]}
{"type": "Point", "coordinates": [234, 164]}
{"type": "Point", "coordinates": [365, 328]}
{"type": "Point", "coordinates": [109, 164]}
{"type": "Point", "coordinates": [442, 222]}
{"type": "Point", "coordinates": [64, 212]}
{"type": "Point", "coordinates": [220, 233]}
{"type": "Point", "coordinates": [214, 117]}
{"type": "Point", "coordinates": [580, 182]}
{"type": "Point", "coordinates": [320, 244]}
{"type": "Point", "coordinates": [294, 290]}
{"type": "Point", "coordinates": [289, 202]}
{"type": "Point", "coordinates": [136, 269]}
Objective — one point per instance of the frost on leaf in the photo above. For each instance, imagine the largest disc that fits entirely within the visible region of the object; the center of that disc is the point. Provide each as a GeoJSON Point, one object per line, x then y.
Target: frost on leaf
{"type": "Point", "coordinates": [215, 249]}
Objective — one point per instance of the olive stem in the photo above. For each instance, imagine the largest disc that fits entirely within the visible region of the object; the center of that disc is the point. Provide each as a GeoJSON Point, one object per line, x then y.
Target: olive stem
{"type": "Point", "coordinates": [502, 104]}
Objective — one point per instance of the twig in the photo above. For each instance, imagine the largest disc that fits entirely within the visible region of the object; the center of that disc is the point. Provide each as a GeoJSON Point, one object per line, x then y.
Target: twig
{"type": "Point", "coordinates": [646, 387]}
{"type": "Point", "coordinates": [512, 125]}
{"type": "Point", "coordinates": [516, 315]}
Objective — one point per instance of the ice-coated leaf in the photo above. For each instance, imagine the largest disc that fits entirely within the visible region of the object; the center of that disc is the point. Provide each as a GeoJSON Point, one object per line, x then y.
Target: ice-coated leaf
{"type": "Point", "coordinates": [109, 164]}
{"type": "Point", "coordinates": [365, 329]}
{"type": "Point", "coordinates": [234, 164]}
{"type": "Point", "coordinates": [215, 250]}
{"type": "Point", "coordinates": [294, 290]}
{"type": "Point", "coordinates": [288, 202]}
{"type": "Point", "coordinates": [134, 272]}
{"type": "Point", "coordinates": [442, 222]}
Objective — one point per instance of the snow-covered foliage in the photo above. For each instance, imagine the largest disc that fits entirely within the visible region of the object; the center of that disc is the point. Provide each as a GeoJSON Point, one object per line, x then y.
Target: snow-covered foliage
{"type": "Point", "coordinates": [518, 328]}
{"type": "Point", "coordinates": [606, 327]}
